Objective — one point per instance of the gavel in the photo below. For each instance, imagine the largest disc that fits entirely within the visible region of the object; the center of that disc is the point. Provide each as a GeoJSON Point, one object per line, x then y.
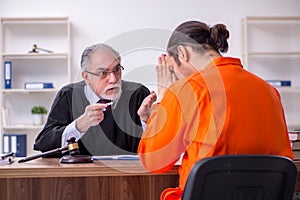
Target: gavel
{"type": "Point", "coordinates": [35, 49]}
{"type": "Point", "coordinates": [71, 147]}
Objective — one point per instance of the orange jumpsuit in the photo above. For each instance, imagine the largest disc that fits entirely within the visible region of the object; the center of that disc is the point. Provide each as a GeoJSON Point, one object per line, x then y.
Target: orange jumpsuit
{"type": "Point", "coordinates": [222, 109]}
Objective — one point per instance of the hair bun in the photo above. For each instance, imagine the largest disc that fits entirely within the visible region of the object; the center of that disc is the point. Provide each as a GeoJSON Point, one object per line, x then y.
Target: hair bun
{"type": "Point", "coordinates": [219, 35]}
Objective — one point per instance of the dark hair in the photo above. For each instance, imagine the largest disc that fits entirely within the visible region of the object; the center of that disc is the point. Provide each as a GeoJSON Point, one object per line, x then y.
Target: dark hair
{"type": "Point", "coordinates": [193, 33]}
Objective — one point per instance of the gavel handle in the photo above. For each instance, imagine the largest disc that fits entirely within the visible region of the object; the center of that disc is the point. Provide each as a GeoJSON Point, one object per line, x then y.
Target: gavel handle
{"type": "Point", "coordinates": [48, 51]}
{"type": "Point", "coordinates": [47, 153]}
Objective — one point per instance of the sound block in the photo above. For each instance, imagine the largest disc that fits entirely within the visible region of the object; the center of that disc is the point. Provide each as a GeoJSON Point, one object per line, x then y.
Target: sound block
{"type": "Point", "coordinates": [68, 159]}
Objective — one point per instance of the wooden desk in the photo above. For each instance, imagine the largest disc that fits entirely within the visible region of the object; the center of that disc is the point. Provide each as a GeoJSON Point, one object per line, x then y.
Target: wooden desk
{"type": "Point", "coordinates": [108, 180]}
{"type": "Point", "coordinates": [104, 180]}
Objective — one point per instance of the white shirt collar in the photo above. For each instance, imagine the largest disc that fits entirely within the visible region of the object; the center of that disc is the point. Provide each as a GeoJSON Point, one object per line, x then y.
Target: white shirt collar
{"type": "Point", "coordinates": [92, 97]}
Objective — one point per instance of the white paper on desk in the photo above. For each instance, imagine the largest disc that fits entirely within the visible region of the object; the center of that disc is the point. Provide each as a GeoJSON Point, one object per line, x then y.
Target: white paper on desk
{"type": "Point", "coordinates": [294, 135]}
{"type": "Point", "coordinates": [7, 161]}
{"type": "Point", "coordinates": [179, 160]}
{"type": "Point", "coordinates": [117, 157]}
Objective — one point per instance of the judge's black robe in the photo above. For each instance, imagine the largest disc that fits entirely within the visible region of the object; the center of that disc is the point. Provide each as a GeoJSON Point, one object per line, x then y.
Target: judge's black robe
{"type": "Point", "coordinates": [119, 133]}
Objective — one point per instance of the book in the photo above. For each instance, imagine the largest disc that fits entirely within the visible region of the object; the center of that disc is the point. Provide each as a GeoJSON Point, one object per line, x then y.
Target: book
{"type": "Point", "coordinates": [7, 74]}
{"type": "Point", "coordinates": [38, 85]}
{"type": "Point", "coordinates": [15, 143]}
{"type": "Point", "coordinates": [294, 137]}
{"type": "Point", "coordinates": [279, 83]}
{"type": "Point", "coordinates": [117, 157]}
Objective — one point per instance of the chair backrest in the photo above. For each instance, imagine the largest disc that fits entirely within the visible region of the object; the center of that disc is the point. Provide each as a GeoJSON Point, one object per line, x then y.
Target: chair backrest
{"type": "Point", "coordinates": [241, 177]}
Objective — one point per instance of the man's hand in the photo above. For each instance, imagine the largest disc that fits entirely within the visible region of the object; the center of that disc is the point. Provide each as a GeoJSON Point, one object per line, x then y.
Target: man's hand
{"type": "Point", "coordinates": [165, 76]}
{"type": "Point", "coordinates": [92, 116]}
{"type": "Point", "coordinates": [145, 109]}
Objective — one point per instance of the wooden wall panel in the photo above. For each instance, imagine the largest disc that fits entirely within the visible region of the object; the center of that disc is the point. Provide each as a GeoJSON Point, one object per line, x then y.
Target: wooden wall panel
{"type": "Point", "coordinates": [142, 187]}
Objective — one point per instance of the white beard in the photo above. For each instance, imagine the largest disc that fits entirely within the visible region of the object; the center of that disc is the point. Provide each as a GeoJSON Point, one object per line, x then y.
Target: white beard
{"type": "Point", "coordinates": [111, 97]}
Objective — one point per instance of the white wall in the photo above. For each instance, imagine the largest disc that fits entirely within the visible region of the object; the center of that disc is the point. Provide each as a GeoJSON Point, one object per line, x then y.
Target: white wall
{"type": "Point", "coordinates": [139, 29]}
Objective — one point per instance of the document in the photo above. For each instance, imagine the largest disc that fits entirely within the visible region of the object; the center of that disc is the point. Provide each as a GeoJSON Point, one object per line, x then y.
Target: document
{"type": "Point", "coordinates": [117, 157]}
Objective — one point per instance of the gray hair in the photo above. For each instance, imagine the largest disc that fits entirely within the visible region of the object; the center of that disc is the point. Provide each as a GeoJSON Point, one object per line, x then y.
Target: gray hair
{"type": "Point", "coordinates": [86, 54]}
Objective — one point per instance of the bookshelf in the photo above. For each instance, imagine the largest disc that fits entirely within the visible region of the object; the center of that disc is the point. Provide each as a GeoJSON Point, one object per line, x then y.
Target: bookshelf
{"type": "Point", "coordinates": [271, 50]}
{"type": "Point", "coordinates": [17, 38]}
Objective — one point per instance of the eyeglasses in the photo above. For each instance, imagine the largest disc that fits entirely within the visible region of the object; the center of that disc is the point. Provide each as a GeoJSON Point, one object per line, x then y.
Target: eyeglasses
{"type": "Point", "coordinates": [104, 73]}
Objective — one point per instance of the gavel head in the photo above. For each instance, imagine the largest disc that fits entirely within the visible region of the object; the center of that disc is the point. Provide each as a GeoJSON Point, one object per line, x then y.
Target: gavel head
{"type": "Point", "coordinates": [34, 48]}
{"type": "Point", "coordinates": [73, 146]}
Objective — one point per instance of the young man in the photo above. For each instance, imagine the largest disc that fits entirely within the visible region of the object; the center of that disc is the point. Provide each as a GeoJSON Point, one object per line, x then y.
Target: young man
{"type": "Point", "coordinates": [216, 107]}
{"type": "Point", "coordinates": [100, 112]}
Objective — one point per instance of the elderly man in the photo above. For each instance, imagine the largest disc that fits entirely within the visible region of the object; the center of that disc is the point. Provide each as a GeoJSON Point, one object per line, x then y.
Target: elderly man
{"type": "Point", "coordinates": [100, 112]}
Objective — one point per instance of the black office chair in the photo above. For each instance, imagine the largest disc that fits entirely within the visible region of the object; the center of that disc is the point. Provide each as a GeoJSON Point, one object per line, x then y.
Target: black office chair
{"type": "Point", "coordinates": [241, 177]}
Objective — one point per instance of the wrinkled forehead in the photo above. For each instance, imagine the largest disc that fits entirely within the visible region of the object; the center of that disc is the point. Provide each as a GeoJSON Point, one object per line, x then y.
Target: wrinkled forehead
{"type": "Point", "coordinates": [102, 59]}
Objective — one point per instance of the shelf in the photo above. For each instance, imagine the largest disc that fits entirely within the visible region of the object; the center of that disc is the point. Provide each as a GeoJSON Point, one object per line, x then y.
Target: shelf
{"type": "Point", "coordinates": [273, 53]}
{"type": "Point", "coordinates": [271, 50]}
{"type": "Point", "coordinates": [40, 20]}
{"type": "Point", "coordinates": [25, 91]}
{"type": "Point", "coordinates": [22, 127]}
{"type": "Point", "coordinates": [18, 35]}
{"type": "Point", "coordinates": [288, 89]}
{"type": "Point", "coordinates": [274, 19]}
{"type": "Point", "coordinates": [293, 126]}
{"type": "Point", "coordinates": [11, 56]}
